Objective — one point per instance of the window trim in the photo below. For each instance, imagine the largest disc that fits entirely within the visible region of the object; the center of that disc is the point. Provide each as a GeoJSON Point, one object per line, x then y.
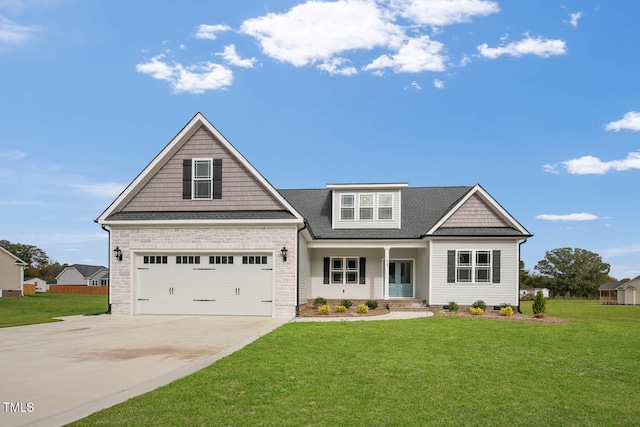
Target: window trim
{"type": "Point", "coordinates": [195, 180]}
{"type": "Point", "coordinates": [376, 207]}
{"type": "Point", "coordinates": [344, 271]}
{"type": "Point", "coordinates": [473, 267]}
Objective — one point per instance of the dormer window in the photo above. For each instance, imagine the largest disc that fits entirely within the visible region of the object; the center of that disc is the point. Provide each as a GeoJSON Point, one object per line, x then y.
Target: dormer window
{"type": "Point", "coordinates": [366, 205]}
{"type": "Point", "coordinates": [385, 206]}
{"type": "Point", "coordinates": [347, 207]}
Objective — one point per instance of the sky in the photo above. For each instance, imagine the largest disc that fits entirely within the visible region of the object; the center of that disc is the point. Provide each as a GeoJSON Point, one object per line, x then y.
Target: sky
{"type": "Point", "coordinates": [538, 102]}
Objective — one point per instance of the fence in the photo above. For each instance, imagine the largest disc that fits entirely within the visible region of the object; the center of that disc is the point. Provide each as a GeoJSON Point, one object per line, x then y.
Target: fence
{"type": "Point", "coordinates": [78, 289]}
{"type": "Point", "coordinates": [28, 289]}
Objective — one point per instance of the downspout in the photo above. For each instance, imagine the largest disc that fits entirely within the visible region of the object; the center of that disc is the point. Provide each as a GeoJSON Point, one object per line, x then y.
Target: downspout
{"type": "Point", "coordinates": [519, 261]}
{"type": "Point", "coordinates": [109, 267]}
{"type": "Point", "coordinates": [298, 268]}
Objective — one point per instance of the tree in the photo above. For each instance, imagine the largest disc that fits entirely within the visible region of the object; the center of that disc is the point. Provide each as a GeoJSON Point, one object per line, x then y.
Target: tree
{"type": "Point", "coordinates": [576, 272]}
{"type": "Point", "coordinates": [539, 305]}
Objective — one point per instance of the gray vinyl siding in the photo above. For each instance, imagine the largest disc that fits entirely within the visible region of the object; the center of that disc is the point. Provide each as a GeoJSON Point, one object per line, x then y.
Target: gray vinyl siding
{"type": "Point", "coordinates": [304, 272]}
{"type": "Point", "coordinates": [467, 293]}
{"type": "Point", "coordinates": [240, 190]}
{"type": "Point", "coordinates": [421, 267]}
{"type": "Point", "coordinates": [71, 276]}
{"type": "Point", "coordinates": [10, 273]}
{"type": "Point", "coordinates": [475, 213]}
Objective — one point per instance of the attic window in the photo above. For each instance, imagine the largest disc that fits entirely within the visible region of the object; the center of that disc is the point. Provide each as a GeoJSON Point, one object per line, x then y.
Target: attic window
{"type": "Point", "coordinates": [202, 178]}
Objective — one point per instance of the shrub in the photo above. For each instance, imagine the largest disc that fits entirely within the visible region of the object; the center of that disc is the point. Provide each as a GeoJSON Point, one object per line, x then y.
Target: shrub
{"type": "Point", "coordinates": [324, 309]}
{"type": "Point", "coordinates": [319, 301]}
{"type": "Point", "coordinates": [341, 309]}
{"type": "Point", "coordinates": [372, 304]}
{"type": "Point", "coordinates": [346, 303]}
{"type": "Point", "coordinates": [479, 304]}
{"type": "Point", "coordinates": [453, 306]}
{"type": "Point", "coordinates": [506, 311]}
{"type": "Point", "coordinates": [476, 311]}
{"type": "Point", "coordinates": [539, 304]}
{"type": "Point", "coordinates": [363, 309]}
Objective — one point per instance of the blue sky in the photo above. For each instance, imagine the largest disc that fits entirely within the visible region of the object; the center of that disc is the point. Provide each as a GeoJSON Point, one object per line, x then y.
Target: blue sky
{"type": "Point", "coordinates": [536, 101]}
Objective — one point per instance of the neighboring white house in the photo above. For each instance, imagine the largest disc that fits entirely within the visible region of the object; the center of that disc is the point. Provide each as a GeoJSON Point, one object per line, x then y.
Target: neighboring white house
{"type": "Point", "coordinates": [533, 291]}
{"type": "Point", "coordinates": [80, 274]}
{"type": "Point", "coordinates": [41, 285]}
{"type": "Point", "coordinates": [201, 231]}
{"type": "Point", "coordinates": [625, 292]}
{"type": "Point", "coordinates": [11, 274]}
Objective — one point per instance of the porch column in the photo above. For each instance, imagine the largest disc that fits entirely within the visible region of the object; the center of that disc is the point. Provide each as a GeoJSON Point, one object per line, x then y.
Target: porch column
{"type": "Point", "coordinates": [385, 276]}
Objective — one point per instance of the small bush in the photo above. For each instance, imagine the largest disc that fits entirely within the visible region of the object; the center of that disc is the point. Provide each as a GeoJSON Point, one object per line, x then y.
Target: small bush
{"type": "Point", "coordinates": [453, 307]}
{"type": "Point", "coordinates": [539, 315]}
{"type": "Point", "coordinates": [479, 304]}
{"type": "Point", "coordinates": [363, 309]}
{"type": "Point", "coordinates": [506, 311]}
{"type": "Point", "coordinates": [341, 309]}
{"type": "Point", "coordinates": [346, 303]}
{"type": "Point", "coordinates": [476, 311]}
{"type": "Point", "coordinates": [539, 304]}
{"type": "Point", "coordinates": [324, 309]}
{"type": "Point", "coordinates": [319, 301]}
{"type": "Point", "coordinates": [372, 304]}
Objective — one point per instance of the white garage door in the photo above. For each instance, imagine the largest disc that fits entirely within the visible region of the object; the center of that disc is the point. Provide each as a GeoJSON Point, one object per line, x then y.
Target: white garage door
{"type": "Point", "coordinates": [222, 284]}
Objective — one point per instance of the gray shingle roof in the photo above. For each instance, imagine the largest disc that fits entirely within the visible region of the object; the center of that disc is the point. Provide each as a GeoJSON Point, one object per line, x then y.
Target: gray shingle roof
{"type": "Point", "coordinates": [422, 208]}
{"type": "Point", "coordinates": [87, 270]}
{"type": "Point", "coordinates": [611, 286]}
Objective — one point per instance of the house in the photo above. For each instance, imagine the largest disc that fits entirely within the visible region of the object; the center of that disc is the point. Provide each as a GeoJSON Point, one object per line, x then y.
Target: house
{"type": "Point", "coordinates": [201, 231]}
{"type": "Point", "coordinates": [11, 274]}
{"type": "Point", "coordinates": [625, 292]}
{"type": "Point", "coordinates": [80, 274]}
{"type": "Point", "coordinates": [533, 291]}
{"type": "Point", "coordinates": [40, 285]}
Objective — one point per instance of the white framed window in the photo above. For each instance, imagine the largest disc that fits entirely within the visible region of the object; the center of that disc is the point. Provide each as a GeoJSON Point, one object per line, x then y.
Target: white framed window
{"type": "Point", "coordinates": [202, 178]}
{"type": "Point", "coordinates": [385, 206]}
{"type": "Point", "coordinates": [347, 207]}
{"type": "Point", "coordinates": [473, 267]}
{"type": "Point", "coordinates": [345, 271]}
{"type": "Point", "coordinates": [365, 210]}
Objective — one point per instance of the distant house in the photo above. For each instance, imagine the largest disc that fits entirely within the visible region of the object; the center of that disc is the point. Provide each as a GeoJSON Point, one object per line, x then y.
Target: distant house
{"type": "Point", "coordinates": [11, 274]}
{"type": "Point", "coordinates": [41, 285]}
{"type": "Point", "coordinates": [80, 274]}
{"type": "Point", "coordinates": [533, 291]}
{"type": "Point", "coordinates": [626, 292]}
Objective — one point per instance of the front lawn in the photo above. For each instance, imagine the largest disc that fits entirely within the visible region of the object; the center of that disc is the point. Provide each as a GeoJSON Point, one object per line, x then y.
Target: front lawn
{"type": "Point", "coordinates": [42, 308]}
{"type": "Point", "coordinates": [429, 371]}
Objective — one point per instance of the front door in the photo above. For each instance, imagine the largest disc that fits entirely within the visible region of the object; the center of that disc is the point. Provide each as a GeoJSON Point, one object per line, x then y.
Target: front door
{"type": "Point", "coordinates": [400, 279]}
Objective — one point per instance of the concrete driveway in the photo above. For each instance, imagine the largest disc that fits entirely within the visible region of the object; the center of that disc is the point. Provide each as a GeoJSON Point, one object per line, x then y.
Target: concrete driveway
{"type": "Point", "coordinates": [55, 373]}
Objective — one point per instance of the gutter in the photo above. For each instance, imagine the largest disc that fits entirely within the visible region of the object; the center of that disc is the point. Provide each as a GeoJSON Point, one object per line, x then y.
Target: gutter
{"type": "Point", "coordinates": [104, 227]}
{"type": "Point", "coordinates": [519, 261]}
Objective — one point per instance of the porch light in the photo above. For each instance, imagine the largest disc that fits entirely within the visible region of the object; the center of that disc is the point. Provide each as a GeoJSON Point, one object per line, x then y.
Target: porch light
{"type": "Point", "coordinates": [118, 253]}
{"type": "Point", "coordinates": [284, 251]}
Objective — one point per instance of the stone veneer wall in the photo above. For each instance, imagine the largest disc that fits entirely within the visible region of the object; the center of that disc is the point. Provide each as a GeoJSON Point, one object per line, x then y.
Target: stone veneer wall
{"type": "Point", "coordinates": [168, 239]}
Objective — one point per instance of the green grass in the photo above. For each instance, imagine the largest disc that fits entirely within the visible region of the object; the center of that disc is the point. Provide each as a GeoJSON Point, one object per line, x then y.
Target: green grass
{"type": "Point", "coordinates": [434, 371]}
{"type": "Point", "coordinates": [42, 308]}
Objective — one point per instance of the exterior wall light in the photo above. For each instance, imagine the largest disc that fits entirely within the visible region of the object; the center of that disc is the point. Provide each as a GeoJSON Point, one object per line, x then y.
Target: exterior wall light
{"type": "Point", "coordinates": [118, 253]}
{"type": "Point", "coordinates": [284, 251]}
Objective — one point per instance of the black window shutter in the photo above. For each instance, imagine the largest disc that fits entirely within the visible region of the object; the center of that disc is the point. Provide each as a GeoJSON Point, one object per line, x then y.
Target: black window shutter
{"type": "Point", "coordinates": [496, 267]}
{"type": "Point", "coordinates": [451, 266]}
{"type": "Point", "coordinates": [186, 179]}
{"type": "Point", "coordinates": [217, 178]}
{"type": "Point", "coordinates": [327, 263]}
{"type": "Point", "coordinates": [363, 270]}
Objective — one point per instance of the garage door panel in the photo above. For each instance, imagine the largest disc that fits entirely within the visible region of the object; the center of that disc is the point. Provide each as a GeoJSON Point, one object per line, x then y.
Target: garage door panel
{"type": "Point", "coordinates": [182, 286]}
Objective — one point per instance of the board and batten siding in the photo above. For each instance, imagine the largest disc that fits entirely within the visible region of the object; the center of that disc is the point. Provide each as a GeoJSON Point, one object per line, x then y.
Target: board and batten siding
{"type": "Point", "coordinates": [507, 291]}
{"type": "Point", "coordinates": [304, 272]}
{"type": "Point", "coordinates": [240, 189]}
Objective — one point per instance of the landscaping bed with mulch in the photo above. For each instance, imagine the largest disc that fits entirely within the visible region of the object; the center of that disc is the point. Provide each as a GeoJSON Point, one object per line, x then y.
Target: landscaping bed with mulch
{"type": "Point", "coordinates": [495, 314]}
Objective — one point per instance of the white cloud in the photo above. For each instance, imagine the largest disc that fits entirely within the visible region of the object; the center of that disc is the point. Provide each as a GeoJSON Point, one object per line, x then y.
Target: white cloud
{"type": "Point", "coordinates": [231, 56]}
{"type": "Point", "coordinates": [575, 17]}
{"type": "Point", "coordinates": [338, 66]}
{"type": "Point", "coordinates": [65, 238]}
{"type": "Point", "coordinates": [12, 34]}
{"type": "Point", "coordinates": [538, 46]}
{"type": "Point", "coordinates": [465, 60]}
{"type": "Point", "coordinates": [443, 12]}
{"type": "Point", "coordinates": [583, 216]}
{"type": "Point", "coordinates": [191, 79]}
{"type": "Point", "coordinates": [416, 55]}
{"type": "Point", "coordinates": [590, 165]}
{"type": "Point", "coordinates": [413, 85]}
{"type": "Point", "coordinates": [107, 189]}
{"type": "Point", "coordinates": [622, 250]}
{"type": "Point", "coordinates": [630, 121]}
{"type": "Point", "coordinates": [438, 84]}
{"type": "Point", "coordinates": [317, 31]}
{"type": "Point", "coordinates": [209, 32]}
{"type": "Point", "coordinates": [12, 155]}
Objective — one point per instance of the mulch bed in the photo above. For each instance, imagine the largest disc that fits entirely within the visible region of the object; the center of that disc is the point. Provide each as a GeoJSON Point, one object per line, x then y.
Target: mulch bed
{"type": "Point", "coordinates": [311, 311]}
